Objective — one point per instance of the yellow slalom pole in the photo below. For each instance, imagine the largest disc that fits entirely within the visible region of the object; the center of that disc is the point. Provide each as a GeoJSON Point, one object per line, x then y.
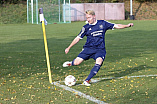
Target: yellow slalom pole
{"type": "Point", "coordinates": [46, 50]}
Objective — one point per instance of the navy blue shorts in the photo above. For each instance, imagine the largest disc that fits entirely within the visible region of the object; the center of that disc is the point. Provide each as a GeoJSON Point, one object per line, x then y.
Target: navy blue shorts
{"type": "Point", "coordinates": [88, 53]}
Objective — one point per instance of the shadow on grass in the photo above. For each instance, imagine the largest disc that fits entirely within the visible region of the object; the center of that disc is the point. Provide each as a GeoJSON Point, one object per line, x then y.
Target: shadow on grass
{"type": "Point", "coordinates": [125, 72]}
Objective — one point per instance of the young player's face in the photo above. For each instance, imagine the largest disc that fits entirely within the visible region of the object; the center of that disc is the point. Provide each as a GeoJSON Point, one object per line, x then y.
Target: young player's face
{"type": "Point", "coordinates": [90, 18]}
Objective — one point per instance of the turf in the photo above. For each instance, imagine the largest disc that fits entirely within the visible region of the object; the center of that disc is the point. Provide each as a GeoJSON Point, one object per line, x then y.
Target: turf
{"type": "Point", "coordinates": [23, 70]}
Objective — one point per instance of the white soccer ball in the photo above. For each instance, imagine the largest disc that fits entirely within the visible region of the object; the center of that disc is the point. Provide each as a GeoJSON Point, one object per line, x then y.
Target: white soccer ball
{"type": "Point", "coordinates": [70, 80]}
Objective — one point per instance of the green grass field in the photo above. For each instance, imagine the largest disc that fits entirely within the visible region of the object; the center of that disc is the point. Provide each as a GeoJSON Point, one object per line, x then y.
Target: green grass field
{"type": "Point", "coordinates": [130, 52]}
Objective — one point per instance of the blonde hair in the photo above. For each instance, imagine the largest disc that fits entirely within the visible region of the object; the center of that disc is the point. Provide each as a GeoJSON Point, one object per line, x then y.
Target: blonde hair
{"type": "Point", "coordinates": [90, 12]}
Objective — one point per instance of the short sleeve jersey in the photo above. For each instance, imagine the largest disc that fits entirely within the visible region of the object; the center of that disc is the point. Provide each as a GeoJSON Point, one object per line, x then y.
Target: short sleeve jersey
{"type": "Point", "coordinates": [95, 34]}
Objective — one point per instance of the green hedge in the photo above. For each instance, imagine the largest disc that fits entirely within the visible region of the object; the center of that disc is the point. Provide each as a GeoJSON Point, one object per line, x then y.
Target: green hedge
{"type": "Point", "coordinates": [13, 13]}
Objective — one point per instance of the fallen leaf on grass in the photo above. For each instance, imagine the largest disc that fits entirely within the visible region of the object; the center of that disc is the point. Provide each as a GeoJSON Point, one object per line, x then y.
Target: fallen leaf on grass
{"type": "Point", "coordinates": [77, 96]}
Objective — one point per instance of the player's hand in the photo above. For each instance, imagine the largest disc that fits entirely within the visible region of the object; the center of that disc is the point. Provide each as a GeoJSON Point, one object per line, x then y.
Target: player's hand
{"type": "Point", "coordinates": [66, 50]}
{"type": "Point", "coordinates": [131, 24]}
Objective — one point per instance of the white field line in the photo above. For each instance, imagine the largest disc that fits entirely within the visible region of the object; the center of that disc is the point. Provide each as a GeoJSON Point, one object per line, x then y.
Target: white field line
{"type": "Point", "coordinates": [139, 76]}
{"type": "Point", "coordinates": [76, 92]}
{"type": "Point", "coordinates": [91, 98]}
{"type": "Point", "coordinates": [99, 79]}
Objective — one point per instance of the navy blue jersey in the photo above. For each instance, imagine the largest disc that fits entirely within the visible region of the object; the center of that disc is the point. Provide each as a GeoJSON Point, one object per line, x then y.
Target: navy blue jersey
{"type": "Point", "coordinates": [95, 34]}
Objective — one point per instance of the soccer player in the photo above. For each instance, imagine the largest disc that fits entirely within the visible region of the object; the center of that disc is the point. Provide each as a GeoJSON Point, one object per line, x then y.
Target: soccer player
{"type": "Point", "coordinates": [94, 47]}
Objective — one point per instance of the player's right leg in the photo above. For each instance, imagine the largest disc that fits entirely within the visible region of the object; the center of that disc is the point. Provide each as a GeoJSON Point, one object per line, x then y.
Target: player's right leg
{"type": "Point", "coordinates": [67, 63]}
{"type": "Point", "coordinates": [76, 61]}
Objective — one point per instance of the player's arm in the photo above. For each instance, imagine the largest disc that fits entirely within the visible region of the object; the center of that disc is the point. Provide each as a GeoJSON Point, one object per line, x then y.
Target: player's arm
{"type": "Point", "coordinates": [121, 26]}
{"type": "Point", "coordinates": [76, 40]}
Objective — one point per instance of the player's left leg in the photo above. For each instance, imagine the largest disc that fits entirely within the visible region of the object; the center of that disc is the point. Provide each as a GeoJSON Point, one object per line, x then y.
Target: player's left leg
{"type": "Point", "coordinates": [94, 71]}
{"type": "Point", "coordinates": [99, 57]}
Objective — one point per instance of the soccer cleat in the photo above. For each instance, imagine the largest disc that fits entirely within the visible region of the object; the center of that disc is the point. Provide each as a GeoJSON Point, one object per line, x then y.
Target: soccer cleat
{"type": "Point", "coordinates": [67, 63]}
{"type": "Point", "coordinates": [86, 83]}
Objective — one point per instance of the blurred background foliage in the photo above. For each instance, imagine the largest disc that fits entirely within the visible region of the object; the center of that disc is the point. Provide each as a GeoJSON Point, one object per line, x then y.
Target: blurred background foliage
{"type": "Point", "coordinates": [75, 1]}
{"type": "Point", "coordinates": [15, 11]}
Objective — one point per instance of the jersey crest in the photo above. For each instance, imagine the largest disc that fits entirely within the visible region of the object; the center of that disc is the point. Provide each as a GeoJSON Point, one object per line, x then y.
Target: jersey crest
{"type": "Point", "coordinates": [101, 26]}
{"type": "Point", "coordinates": [90, 29]}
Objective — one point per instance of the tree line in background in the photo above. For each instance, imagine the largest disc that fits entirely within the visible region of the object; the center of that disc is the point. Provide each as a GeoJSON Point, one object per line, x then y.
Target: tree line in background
{"type": "Point", "coordinates": [74, 1]}
{"type": "Point", "coordinates": [107, 1]}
